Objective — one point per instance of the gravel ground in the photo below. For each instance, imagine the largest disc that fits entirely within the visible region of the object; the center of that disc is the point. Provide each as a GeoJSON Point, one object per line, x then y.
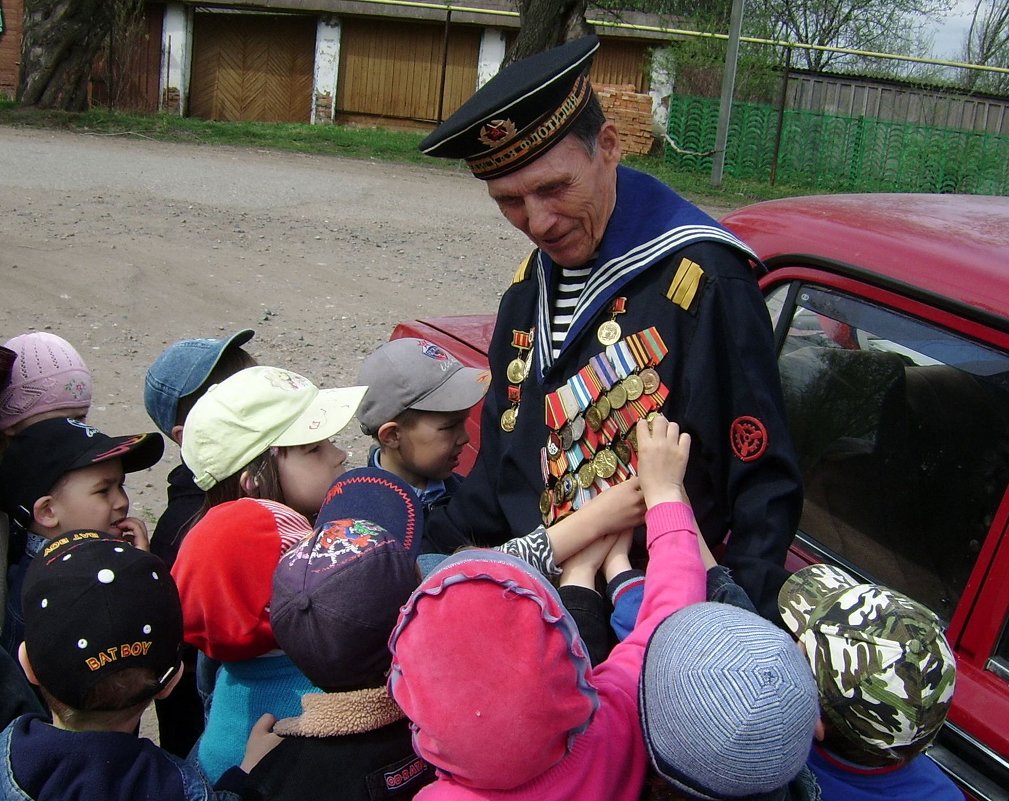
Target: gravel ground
{"type": "Point", "coordinates": [123, 245]}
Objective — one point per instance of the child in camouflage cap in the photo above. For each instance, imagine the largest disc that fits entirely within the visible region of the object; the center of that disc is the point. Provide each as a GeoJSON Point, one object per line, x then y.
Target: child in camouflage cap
{"type": "Point", "coordinates": [885, 675]}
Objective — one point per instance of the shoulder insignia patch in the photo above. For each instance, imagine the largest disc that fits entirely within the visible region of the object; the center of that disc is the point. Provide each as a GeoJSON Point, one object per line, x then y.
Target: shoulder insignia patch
{"type": "Point", "coordinates": [683, 290]}
{"type": "Point", "coordinates": [748, 437]}
{"type": "Point", "coordinates": [522, 273]}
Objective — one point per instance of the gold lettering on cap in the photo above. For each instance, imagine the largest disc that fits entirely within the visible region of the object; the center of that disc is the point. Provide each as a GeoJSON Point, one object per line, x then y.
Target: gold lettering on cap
{"type": "Point", "coordinates": [53, 545]}
{"type": "Point", "coordinates": [522, 149]}
{"type": "Point", "coordinates": [124, 651]}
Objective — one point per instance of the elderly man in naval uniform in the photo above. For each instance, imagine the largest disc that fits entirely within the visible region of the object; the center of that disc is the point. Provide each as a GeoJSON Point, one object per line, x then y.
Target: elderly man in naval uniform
{"type": "Point", "coordinates": [633, 302]}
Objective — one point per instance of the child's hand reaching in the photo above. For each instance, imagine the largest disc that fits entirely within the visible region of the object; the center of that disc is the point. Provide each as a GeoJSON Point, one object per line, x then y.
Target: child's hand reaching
{"type": "Point", "coordinates": [618, 508]}
{"type": "Point", "coordinates": [617, 560]}
{"type": "Point", "coordinates": [581, 568]}
{"type": "Point", "coordinates": [663, 452]}
{"type": "Point", "coordinates": [261, 741]}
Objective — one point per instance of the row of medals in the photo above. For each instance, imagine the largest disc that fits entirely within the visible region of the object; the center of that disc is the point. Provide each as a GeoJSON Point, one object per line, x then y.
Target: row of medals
{"type": "Point", "coordinates": [604, 463]}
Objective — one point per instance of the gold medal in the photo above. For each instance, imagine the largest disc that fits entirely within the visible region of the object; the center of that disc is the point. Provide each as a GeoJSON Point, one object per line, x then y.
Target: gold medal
{"type": "Point", "coordinates": [605, 463]}
{"type": "Point", "coordinates": [508, 418]}
{"type": "Point", "coordinates": [546, 501]}
{"type": "Point", "coordinates": [516, 371]}
{"type": "Point", "coordinates": [623, 451]}
{"type": "Point", "coordinates": [617, 396]}
{"type": "Point", "coordinates": [608, 333]}
{"type": "Point", "coordinates": [634, 386]}
{"type": "Point", "coordinates": [649, 380]}
{"type": "Point", "coordinates": [592, 418]}
{"type": "Point", "coordinates": [603, 405]}
{"type": "Point", "coordinates": [586, 475]}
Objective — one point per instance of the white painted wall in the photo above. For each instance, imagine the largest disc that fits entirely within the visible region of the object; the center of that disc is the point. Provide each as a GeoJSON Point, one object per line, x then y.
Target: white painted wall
{"type": "Point", "coordinates": [176, 53]}
{"type": "Point", "coordinates": [492, 53]}
{"type": "Point", "coordinates": [327, 61]}
{"type": "Point", "coordinates": [662, 87]}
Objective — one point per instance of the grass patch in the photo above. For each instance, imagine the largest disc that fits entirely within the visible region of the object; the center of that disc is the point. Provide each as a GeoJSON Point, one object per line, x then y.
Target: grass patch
{"type": "Point", "coordinates": [381, 144]}
{"type": "Point", "coordinates": [337, 140]}
{"type": "Point", "coordinates": [697, 185]}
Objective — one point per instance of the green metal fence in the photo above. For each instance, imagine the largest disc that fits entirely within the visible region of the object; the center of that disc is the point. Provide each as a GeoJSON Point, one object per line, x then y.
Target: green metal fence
{"type": "Point", "coordinates": [834, 153]}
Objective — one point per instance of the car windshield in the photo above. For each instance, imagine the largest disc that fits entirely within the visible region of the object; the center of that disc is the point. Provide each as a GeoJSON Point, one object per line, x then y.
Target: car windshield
{"type": "Point", "coordinates": [902, 431]}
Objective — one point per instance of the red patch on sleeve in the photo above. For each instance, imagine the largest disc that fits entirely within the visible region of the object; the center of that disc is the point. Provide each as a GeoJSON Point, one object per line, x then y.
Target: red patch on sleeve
{"type": "Point", "coordinates": [748, 437]}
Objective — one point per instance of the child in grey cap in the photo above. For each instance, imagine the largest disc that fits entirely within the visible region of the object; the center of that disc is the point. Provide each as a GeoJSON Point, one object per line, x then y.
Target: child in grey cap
{"type": "Point", "coordinates": [416, 408]}
{"type": "Point", "coordinates": [418, 401]}
{"type": "Point", "coordinates": [728, 707]}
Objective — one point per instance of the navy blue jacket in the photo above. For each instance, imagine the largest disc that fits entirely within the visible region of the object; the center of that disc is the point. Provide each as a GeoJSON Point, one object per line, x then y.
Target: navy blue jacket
{"type": "Point", "coordinates": [43, 763]}
{"type": "Point", "coordinates": [720, 370]}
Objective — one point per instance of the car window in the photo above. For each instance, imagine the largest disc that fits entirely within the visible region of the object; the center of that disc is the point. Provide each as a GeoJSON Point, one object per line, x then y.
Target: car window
{"type": "Point", "coordinates": [902, 433]}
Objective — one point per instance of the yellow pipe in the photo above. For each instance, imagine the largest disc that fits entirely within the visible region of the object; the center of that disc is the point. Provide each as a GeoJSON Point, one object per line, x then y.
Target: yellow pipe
{"type": "Point", "coordinates": [701, 35]}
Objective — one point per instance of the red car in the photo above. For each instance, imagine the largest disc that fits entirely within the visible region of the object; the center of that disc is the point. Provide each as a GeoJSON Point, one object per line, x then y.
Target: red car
{"type": "Point", "coordinates": [891, 318]}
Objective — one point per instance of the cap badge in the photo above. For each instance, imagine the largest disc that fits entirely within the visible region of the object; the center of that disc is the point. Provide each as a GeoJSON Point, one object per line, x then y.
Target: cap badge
{"type": "Point", "coordinates": [89, 430]}
{"type": "Point", "coordinates": [282, 379]}
{"type": "Point", "coordinates": [497, 132]}
{"type": "Point", "coordinates": [347, 536]}
{"type": "Point", "coordinates": [433, 351]}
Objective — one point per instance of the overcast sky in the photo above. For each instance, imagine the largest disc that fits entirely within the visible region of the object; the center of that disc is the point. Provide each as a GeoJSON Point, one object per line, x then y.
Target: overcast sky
{"type": "Point", "coordinates": [950, 33]}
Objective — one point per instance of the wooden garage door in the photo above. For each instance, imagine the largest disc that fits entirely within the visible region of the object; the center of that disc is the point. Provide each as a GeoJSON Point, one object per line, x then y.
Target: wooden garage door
{"type": "Point", "coordinates": [252, 67]}
{"type": "Point", "coordinates": [393, 69]}
{"type": "Point", "coordinates": [621, 62]}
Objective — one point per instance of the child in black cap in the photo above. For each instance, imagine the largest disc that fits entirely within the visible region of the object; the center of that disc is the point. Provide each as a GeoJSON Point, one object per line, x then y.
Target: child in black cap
{"type": "Point", "coordinates": [103, 636]}
{"type": "Point", "coordinates": [16, 698]}
{"type": "Point", "coordinates": [58, 475]}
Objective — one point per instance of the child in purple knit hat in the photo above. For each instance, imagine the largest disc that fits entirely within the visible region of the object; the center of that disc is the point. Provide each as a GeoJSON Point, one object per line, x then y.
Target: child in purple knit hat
{"type": "Point", "coordinates": [48, 379]}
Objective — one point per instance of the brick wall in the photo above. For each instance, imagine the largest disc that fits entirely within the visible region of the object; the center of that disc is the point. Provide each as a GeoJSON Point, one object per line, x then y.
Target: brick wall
{"type": "Point", "coordinates": [323, 107]}
{"type": "Point", "coordinates": [10, 46]}
{"type": "Point", "coordinates": [632, 114]}
{"type": "Point", "coordinates": [171, 101]}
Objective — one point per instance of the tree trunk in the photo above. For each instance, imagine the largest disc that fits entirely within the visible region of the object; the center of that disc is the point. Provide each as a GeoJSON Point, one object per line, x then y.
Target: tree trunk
{"type": "Point", "coordinates": [546, 24]}
{"type": "Point", "coordinates": [61, 38]}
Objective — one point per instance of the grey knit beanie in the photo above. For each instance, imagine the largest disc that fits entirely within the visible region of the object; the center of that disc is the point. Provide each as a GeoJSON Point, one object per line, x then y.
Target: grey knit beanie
{"type": "Point", "coordinates": [727, 702]}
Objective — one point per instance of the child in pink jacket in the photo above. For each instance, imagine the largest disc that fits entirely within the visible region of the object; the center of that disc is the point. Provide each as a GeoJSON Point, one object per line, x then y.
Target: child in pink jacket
{"type": "Point", "coordinates": [491, 671]}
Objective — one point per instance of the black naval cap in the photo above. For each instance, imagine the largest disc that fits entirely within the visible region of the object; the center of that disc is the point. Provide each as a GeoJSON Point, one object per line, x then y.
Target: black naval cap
{"type": "Point", "coordinates": [520, 113]}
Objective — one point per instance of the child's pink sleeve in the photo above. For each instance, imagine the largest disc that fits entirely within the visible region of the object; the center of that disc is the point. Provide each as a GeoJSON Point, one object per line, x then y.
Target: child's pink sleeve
{"type": "Point", "coordinates": [675, 578]}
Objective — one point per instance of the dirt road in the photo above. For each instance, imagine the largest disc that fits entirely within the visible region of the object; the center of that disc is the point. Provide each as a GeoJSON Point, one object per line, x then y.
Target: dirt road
{"type": "Point", "coordinates": [122, 245]}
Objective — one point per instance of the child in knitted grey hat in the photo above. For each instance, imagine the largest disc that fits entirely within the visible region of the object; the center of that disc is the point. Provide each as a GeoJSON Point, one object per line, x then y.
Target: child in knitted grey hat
{"type": "Point", "coordinates": [728, 707]}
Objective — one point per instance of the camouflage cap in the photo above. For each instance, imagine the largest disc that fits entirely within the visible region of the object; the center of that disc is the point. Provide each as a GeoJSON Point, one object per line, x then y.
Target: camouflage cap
{"type": "Point", "coordinates": [883, 667]}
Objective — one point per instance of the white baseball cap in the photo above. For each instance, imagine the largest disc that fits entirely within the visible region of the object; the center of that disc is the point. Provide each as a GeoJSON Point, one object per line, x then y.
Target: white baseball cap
{"type": "Point", "coordinates": [256, 409]}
